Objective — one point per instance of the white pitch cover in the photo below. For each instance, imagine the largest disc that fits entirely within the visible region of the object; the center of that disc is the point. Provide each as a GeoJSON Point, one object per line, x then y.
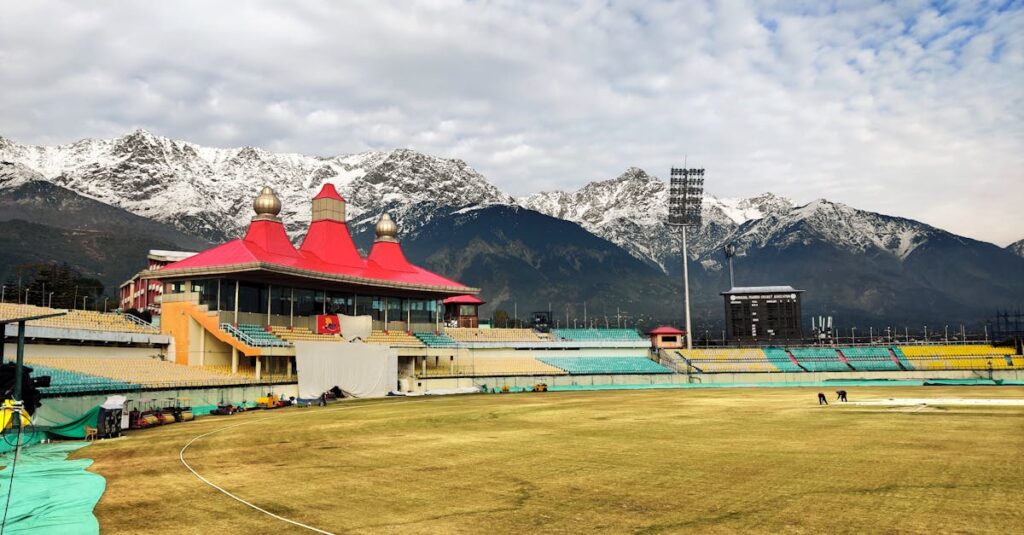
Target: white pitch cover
{"type": "Point", "coordinates": [362, 370]}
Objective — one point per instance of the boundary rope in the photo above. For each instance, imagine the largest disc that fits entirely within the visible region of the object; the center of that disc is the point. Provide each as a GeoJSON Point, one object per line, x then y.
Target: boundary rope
{"type": "Point", "coordinates": [181, 457]}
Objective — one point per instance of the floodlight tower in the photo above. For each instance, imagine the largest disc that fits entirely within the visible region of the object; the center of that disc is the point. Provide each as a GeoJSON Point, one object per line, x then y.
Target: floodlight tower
{"type": "Point", "coordinates": [686, 189]}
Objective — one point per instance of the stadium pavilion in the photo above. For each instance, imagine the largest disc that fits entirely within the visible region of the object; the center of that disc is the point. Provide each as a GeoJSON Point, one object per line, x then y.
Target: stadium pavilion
{"type": "Point", "coordinates": [263, 280]}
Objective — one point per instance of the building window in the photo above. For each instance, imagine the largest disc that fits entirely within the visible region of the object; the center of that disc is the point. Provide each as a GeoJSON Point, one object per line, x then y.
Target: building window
{"type": "Point", "coordinates": [252, 298]}
{"type": "Point", "coordinates": [227, 295]}
{"type": "Point", "coordinates": [304, 301]}
{"type": "Point", "coordinates": [377, 310]}
{"type": "Point", "coordinates": [280, 301]}
{"type": "Point", "coordinates": [340, 303]}
{"type": "Point", "coordinates": [420, 311]}
{"type": "Point", "coordinates": [363, 305]}
{"type": "Point", "coordinates": [207, 290]}
{"type": "Point", "coordinates": [396, 309]}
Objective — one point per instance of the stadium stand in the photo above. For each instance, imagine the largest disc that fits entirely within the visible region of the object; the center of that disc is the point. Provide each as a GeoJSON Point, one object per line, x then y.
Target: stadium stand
{"type": "Point", "coordinates": [78, 319]}
{"type": "Point", "coordinates": [819, 359]}
{"type": "Point", "coordinates": [254, 335]}
{"type": "Point", "coordinates": [780, 359]}
{"type": "Point", "coordinates": [728, 360]}
{"type": "Point", "coordinates": [870, 358]}
{"type": "Point", "coordinates": [605, 365]}
{"type": "Point", "coordinates": [960, 357]}
{"type": "Point", "coordinates": [291, 334]}
{"type": "Point", "coordinates": [68, 381]}
{"type": "Point", "coordinates": [488, 367]}
{"type": "Point", "coordinates": [514, 366]}
{"type": "Point", "coordinates": [132, 374]}
{"type": "Point", "coordinates": [845, 359]}
{"type": "Point", "coordinates": [598, 335]}
{"type": "Point", "coordinates": [463, 334]}
{"type": "Point", "coordinates": [393, 339]}
{"type": "Point", "coordinates": [431, 339]}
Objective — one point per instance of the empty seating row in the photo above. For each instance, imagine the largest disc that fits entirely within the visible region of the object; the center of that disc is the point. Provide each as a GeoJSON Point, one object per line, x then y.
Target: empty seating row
{"type": "Point", "coordinates": [463, 334]}
{"type": "Point", "coordinates": [393, 339]}
{"type": "Point", "coordinates": [871, 359]}
{"type": "Point", "coordinates": [845, 359]}
{"type": "Point", "coordinates": [255, 335]}
{"type": "Point", "coordinates": [819, 359]}
{"type": "Point", "coordinates": [598, 335]}
{"type": "Point", "coordinates": [66, 381]}
{"type": "Point", "coordinates": [967, 350]}
{"type": "Point", "coordinates": [995, 362]}
{"type": "Point", "coordinates": [77, 319]}
{"type": "Point", "coordinates": [291, 334]}
{"type": "Point", "coordinates": [144, 372]}
{"type": "Point", "coordinates": [605, 365]}
{"type": "Point", "coordinates": [728, 353]}
{"type": "Point", "coordinates": [486, 367]}
{"type": "Point", "coordinates": [734, 366]}
{"type": "Point", "coordinates": [728, 360]}
{"type": "Point", "coordinates": [780, 359]}
{"type": "Point", "coordinates": [431, 339]}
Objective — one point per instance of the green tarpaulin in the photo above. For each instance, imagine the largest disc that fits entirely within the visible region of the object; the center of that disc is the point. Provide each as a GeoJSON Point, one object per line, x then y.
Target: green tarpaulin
{"type": "Point", "coordinates": [76, 428]}
{"type": "Point", "coordinates": [51, 494]}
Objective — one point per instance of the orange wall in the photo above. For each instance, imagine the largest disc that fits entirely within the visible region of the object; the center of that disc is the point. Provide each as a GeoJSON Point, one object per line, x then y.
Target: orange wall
{"type": "Point", "coordinates": [176, 319]}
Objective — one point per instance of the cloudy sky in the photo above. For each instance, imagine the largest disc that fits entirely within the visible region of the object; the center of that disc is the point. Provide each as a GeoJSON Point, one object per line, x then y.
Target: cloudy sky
{"type": "Point", "coordinates": [908, 108]}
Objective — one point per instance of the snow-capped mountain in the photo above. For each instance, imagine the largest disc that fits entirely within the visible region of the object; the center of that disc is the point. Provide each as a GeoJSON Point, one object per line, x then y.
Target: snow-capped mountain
{"type": "Point", "coordinates": [857, 231]}
{"type": "Point", "coordinates": [207, 192]}
{"type": "Point", "coordinates": [1016, 248]}
{"type": "Point", "coordinates": [853, 264]}
{"type": "Point", "coordinates": [631, 211]}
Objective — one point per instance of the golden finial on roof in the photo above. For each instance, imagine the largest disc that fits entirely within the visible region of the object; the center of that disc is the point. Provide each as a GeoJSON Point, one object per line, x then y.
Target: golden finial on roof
{"type": "Point", "coordinates": [387, 230]}
{"type": "Point", "coordinates": [267, 205]}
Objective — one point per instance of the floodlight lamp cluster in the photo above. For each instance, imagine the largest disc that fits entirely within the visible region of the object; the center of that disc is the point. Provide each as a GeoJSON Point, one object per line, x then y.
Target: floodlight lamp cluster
{"type": "Point", "coordinates": [686, 190]}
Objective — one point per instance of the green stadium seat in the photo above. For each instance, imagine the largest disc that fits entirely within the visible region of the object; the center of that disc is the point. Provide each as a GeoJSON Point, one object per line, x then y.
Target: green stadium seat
{"type": "Point", "coordinates": [778, 357]}
{"type": "Point", "coordinates": [819, 359]}
{"type": "Point", "coordinates": [431, 339]}
{"type": "Point", "coordinates": [869, 358]}
{"type": "Point", "coordinates": [259, 336]}
{"type": "Point", "coordinates": [598, 335]}
{"type": "Point", "coordinates": [72, 382]}
{"type": "Point", "coordinates": [605, 365]}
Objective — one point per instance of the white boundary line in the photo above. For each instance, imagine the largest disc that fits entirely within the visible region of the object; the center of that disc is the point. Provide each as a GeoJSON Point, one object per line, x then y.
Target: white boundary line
{"type": "Point", "coordinates": [181, 457]}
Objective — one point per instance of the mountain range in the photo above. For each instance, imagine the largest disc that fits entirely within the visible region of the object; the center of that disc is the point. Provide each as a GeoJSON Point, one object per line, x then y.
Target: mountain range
{"type": "Point", "coordinates": [605, 244]}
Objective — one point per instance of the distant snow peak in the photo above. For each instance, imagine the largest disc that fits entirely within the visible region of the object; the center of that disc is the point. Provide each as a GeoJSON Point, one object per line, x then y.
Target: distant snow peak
{"type": "Point", "coordinates": [630, 210]}
{"type": "Point", "coordinates": [841, 225]}
{"type": "Point", "coordinates": [1017, 248]}
{"type": "Point", "coordinates": [207, 191]}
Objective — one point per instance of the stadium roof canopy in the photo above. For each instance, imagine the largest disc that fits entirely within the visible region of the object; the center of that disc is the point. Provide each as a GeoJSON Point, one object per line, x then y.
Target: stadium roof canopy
{"type": "Point", "coordinates": [760, 290]}
{"type": "Point", "coordinates": [327, 253]}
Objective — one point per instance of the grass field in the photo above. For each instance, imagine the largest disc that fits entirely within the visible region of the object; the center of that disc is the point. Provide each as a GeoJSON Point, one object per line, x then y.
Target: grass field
{"type": "Point", "coordinates": [716, 460]}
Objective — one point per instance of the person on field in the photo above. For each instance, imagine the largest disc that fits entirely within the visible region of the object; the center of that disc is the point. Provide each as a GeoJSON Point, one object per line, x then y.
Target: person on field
{"type": "Point", "coordinates": [841, 395]}
{"type": "Point", "coordinates": [821, 399]}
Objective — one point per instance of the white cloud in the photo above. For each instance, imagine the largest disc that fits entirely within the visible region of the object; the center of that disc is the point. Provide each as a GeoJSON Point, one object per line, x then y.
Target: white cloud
{"type": "Point", "coordinates": [900, 108]}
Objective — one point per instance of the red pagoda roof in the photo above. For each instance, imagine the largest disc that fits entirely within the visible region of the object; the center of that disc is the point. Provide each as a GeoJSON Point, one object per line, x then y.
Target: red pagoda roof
{"type": "Point", "coordinates": [327, 252]}
{"type": "Point", "coordinates": [329, 241]}
{"type": "Point", "coordinates": [328, 192]}
{"type": "Point", "coordinates": [464, 300]}
{"type": "Point", "coordinates": [664, 329]}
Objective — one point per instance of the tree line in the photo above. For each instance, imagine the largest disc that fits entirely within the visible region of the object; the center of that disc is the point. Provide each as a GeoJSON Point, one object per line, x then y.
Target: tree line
{"type": "Point", "coordinates": [54, 285]}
